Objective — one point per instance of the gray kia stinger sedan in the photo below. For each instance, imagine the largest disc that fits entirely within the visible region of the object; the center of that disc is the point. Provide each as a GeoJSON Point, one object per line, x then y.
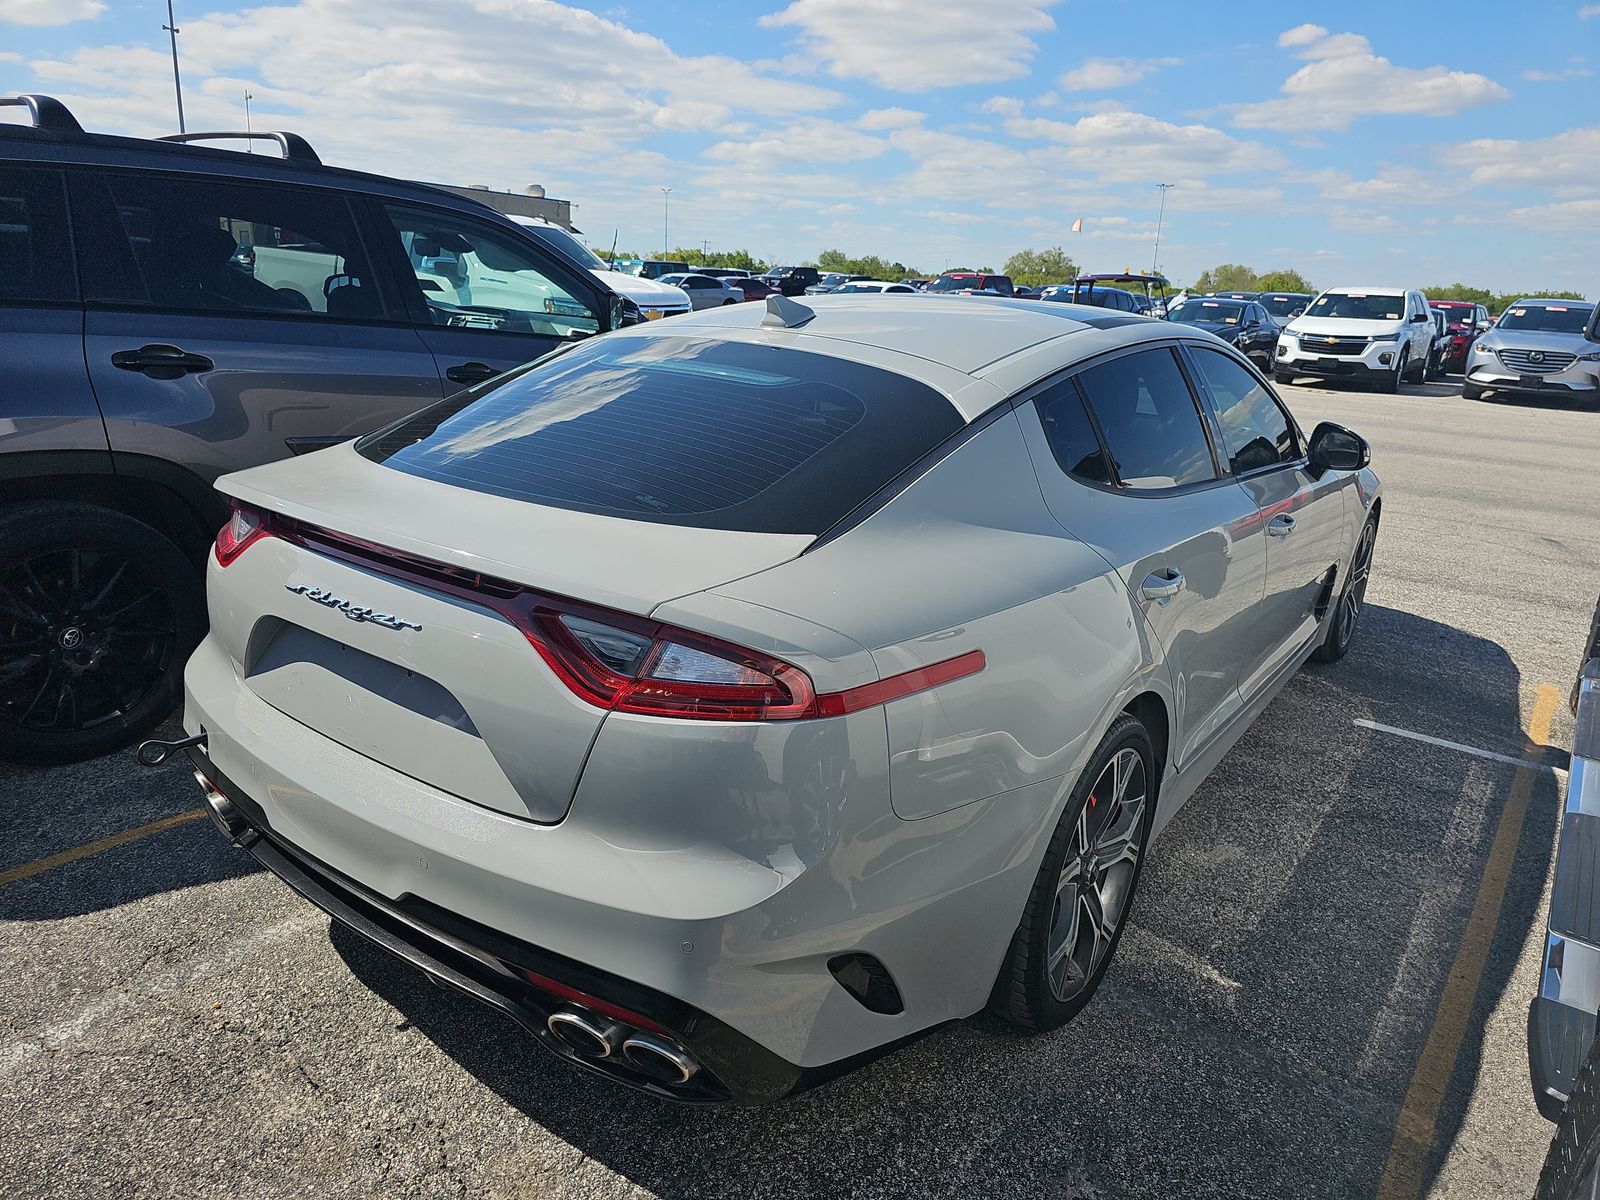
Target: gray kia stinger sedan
{"type": "Point", "coordinates": [729, 699]}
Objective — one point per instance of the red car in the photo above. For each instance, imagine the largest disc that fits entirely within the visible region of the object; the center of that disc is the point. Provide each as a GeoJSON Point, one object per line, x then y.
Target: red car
{"type": "Point", "coordinates": [752, 287]}
{"type": "Point", "coordinates": [1466, 321]}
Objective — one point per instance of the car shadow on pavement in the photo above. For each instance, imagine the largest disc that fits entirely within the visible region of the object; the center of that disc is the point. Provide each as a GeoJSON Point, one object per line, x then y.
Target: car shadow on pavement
{"type": "Point", "coordinates": [1257, 1035]}
{"type": "Point", "coordinates": [48, 811]}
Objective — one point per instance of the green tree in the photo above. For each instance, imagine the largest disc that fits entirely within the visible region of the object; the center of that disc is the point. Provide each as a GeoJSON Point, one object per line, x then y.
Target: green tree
{"type": "Point", "coordinates": [1460, 291]}
{"type": "Point", "coordinates": [1284, 280]}
{"type": "Point", "coordinates": [1226, 277]}
{"type": "Point", "coordinates": [870, 265]}
{"type": "Point", "coordinates": [1035, 268]}
{"type": "Point", "coordinates": [697, 256]}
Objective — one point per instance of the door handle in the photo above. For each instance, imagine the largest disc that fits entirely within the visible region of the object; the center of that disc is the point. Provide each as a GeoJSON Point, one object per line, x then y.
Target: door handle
{"type": "Point", "coordinates": [160, 361]}
{"type": "Point", "coordinates": [1162, 585]}
{"type": "Point", "coordinates": [1280, 526]}
{"type": "Point", "coordinates": [470, 372]}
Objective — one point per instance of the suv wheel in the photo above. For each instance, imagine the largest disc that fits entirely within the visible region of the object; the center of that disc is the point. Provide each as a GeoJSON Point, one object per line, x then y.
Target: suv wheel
{"type": "Point", "coordinates": [1471, 391]}
{"type": "Point", "coordinates": [1079, 904]}
{"type": "Point", "coordinates": [1391, 382]}
{"type": "Point", "coordinates": [98, 612]}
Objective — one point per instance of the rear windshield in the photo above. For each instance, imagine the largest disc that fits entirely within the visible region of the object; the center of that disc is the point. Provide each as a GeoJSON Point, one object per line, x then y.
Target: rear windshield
{"type": "Point", "coordinates": [680, 431]}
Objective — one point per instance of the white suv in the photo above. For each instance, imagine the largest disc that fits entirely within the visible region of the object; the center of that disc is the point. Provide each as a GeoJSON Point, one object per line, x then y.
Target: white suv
{"type": "Point", "coordinates": [1380, 333]}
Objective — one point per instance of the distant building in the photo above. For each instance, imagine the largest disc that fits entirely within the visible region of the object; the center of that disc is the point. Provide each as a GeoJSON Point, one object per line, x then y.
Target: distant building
{"type": "Point", "coordinates": [529, 202]}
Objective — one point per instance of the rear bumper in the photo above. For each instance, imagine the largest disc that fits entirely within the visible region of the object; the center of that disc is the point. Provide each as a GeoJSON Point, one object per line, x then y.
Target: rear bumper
{"type": "Point", "coordinates": [1561, 1024]}
{"type": "Point", "coordinates": [713, 874]}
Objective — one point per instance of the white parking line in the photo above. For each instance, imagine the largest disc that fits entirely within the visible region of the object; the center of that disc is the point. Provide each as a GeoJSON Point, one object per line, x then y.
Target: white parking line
{"type": "Point", "coordinates": [1448, 745]}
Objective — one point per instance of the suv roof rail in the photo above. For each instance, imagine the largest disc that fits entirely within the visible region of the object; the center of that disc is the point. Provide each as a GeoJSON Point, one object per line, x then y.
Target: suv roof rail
{"type": "Point", "coordinates": [295, 148]}
{"type": "Point", "coordinates": [47, 112]}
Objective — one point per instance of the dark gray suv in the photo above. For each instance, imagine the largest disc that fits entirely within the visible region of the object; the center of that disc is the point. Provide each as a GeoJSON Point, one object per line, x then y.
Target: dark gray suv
{"type": "Point", "coordinates": [171, 312]}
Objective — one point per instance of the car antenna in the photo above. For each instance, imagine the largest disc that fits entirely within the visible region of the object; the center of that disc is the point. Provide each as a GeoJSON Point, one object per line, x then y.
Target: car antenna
{"type": "Point", "coordinates": [611, 259]}
{"type": "Point", "coordinates": [784, 313]}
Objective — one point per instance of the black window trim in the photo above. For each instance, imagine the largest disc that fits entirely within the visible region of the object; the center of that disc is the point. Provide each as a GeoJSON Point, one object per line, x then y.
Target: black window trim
{"type": "Point", "coordinates": [1214, 418]}
{"type": "Point", "coordinates": [80, 176]}
{"type": "Point", "coordinates": [1031, 393]}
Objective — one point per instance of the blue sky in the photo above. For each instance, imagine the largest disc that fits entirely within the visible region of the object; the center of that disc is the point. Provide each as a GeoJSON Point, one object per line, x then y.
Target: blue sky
{"type": "Point", "coordinates": [1408, 143]}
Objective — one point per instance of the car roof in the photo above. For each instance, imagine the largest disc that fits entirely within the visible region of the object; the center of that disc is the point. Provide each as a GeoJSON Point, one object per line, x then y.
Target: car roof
{"type": "Point", "coordinates": [1548, 301]}
{"type": "Point", "coordinates": [975, 354]}
{"type": "Point", "coordinates": [1382, 289]}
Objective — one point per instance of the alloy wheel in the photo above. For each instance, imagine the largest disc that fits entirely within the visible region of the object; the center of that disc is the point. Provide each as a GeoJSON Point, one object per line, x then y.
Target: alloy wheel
{"type": "Point", "coordinates": [1355, 588]}
{"type": "Point", "coordinates": [1097, 878]}
{"type": "Point", "coordinates": [85, 637]}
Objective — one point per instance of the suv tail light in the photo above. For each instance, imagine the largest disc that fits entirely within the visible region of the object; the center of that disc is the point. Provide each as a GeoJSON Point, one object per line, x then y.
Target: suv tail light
{"type": "Point", "coordinates": [245, 526]}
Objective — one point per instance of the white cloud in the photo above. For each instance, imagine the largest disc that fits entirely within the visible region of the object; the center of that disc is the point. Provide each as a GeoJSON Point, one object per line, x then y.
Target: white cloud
{"type": "Point", "coordinates": [1100, 74]}
{"type": "Point", "coordinates": [1557, 76]}
{"type": "Point", "coordinates": [1391, 185]}
{"type": "Point", "coordinates": [1564, 161]}
{"type": "Point", "coordinates": [1002, 106]}
{"type": "Point", "coordinates": [1131, 146]}
{"type": "Point", "coordinates": [813, 140]}
{"type": "Point", "coordinates": [1569, 216]}
{"type": "Point", "coordinates": [890, 118]}
{"type": "Point", "coordinates": [1343, 79]}
{"type": "Point", "coordinates": [49, 12]}
{"type": "Point", "coordinates": [1588, 11]}
{"type": "Point", "coordinates": [919, 45]}
{"type": "Point", "coordinates": [1302, 35]}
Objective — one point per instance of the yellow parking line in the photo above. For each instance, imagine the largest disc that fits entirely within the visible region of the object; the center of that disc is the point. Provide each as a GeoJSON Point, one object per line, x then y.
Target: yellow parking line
{"type": "Point", "coordinates": [1414, 1130]}
{"type": "Point", "coordinates": [40, 865]}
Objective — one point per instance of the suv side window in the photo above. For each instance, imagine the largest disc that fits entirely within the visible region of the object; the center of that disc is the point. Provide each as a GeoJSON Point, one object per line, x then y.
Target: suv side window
{"type": "Point", "coordinates": [1071, 434]}
{"type": "Point", "coordinates": [474, 276]}
{"type": "Point", "coordinates": [35, 253]}
{"type": "Point", "coordinates": [1256, 432]}
{"type": "Point", "coordinates": [1150, 420]}
{"type": "Point", "coordinates": [196, 245]}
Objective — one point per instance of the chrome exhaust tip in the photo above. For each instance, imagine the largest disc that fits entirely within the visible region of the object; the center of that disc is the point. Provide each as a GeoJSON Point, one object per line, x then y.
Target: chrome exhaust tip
{"type": "Point", "coordinates": [223, 813]}
{"type": "Point", "coordinates": [586, 1035]}
{"type": "Point", "coordinates": [659, 1058]}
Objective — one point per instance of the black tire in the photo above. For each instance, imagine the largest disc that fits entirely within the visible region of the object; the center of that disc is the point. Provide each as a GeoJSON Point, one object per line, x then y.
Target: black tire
{"type": "Point", "coordinates": [1282, 377]}
{"type": "Point", "coordinates": [1341, 632]}
{"type": "Point", "coordinates": [1023, 991]}
{"type": "Point", "coordinates": [1471, 391]}
{"type": "Point", "coordinates": [98, 613]}
{"type": "Point", "coordinates": [1573, 1160]}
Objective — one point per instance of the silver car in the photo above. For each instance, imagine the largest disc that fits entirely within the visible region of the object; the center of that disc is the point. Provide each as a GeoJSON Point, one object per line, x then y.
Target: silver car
{"type": "Point", "coordinates": [704, 291]}
{"type": "Point", "coordinates": [726, 699]}
{"type": "Point", "coordinates": [1537, 347]}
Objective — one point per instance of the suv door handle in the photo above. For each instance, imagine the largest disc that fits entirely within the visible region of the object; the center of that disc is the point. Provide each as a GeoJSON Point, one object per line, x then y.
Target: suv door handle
{"type": "Point", "coordinates": [160, 361]}
{"type": "Point", "coordinates": [1280, 526]}
{"type": "Point", "coordinates": [470, 372]}
{"type": "Point", "coordinates": [1162, 585]}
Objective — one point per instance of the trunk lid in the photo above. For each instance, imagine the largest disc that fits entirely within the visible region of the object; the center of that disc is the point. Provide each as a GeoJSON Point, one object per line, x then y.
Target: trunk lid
{"type": "Point", "coordinates": [446, 689]}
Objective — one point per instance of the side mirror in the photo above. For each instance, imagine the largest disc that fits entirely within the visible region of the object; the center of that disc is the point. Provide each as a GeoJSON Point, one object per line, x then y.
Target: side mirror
{"type": "Point", "coordinates": [1485, 326]}
{"type": "Point", "coordinates": [1417, 317]}
{"type": "Point", "coordinates": [1335, 448]}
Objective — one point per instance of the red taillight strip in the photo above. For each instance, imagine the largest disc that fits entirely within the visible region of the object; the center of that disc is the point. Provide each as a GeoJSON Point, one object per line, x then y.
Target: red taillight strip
{"type": "Point", "coordinates": [604, 1007]}
{"type": "Point", "coordinates": [870, 695]}
{"type": "Point", "coordinates": [535, 614]}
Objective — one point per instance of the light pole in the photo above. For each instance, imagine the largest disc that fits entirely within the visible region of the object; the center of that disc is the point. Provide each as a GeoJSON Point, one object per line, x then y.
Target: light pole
{"type": "Point", "coordinates": [1160, 213]}
{"type": "Point", "coordinates": [665, 192]}
{"type": "Point", "coordinates": [249, 145]}
{"type": "Point", "coordinates": [177, 85]}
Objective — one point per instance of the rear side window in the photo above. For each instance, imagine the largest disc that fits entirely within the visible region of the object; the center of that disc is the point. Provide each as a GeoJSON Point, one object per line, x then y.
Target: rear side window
{"type": "Point", "coordinates": [199, 246]}
{"type": "Point", "coordinates": [1072, 438]}
{"type": "Point", "coordinates": [680, 431]}
{"type": "Point", "coordinates": [35, 255]}
{"type": "Point", "coordinates": [1148, 416]}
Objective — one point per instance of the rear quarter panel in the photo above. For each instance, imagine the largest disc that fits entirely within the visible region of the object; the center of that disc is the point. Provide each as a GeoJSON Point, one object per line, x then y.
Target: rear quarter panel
{"type": "Point", "coordinates": [968, 558]}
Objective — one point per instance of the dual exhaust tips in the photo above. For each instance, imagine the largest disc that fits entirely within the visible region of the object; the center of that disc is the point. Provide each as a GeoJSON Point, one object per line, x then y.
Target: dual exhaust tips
{"type": "Point", "coordinates": [588, 1036]}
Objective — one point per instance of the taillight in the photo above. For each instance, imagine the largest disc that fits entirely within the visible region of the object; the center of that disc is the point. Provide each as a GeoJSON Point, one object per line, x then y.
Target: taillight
{"type": "Point", "coordinates": [630, 665]}
{"type": "Point", "coordinates": [245, 525]}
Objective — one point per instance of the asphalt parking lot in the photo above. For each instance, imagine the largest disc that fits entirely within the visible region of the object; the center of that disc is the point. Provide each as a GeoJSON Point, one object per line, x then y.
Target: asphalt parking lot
{"type": "Point", "coordinates": [1324, 992]}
